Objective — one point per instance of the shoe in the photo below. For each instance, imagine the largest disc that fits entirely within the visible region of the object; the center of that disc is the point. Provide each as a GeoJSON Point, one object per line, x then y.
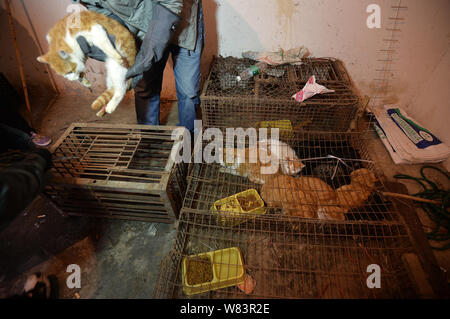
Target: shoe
{"type": "Point", "coordinates": [40, 140]}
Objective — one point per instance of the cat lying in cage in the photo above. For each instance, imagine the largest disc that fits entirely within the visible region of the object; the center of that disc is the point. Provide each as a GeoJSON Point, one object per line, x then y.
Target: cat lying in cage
{"type": "Point", "coordinates": [310, 197]}
{"type": "Point", "coordinates": [283, 158]}
{"type": "Point", "coordinates": [67, 58]}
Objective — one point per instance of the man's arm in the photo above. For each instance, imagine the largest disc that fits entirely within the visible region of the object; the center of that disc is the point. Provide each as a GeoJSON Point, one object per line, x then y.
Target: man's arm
{"type": "Point", "coordinates": [161, 26]}
{"type": "Point", "coordinates": [160, 30]}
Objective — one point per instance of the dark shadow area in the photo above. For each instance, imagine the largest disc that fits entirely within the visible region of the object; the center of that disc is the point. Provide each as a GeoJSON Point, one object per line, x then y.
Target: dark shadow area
{"type": "Point", "coordinates": [118, 259]}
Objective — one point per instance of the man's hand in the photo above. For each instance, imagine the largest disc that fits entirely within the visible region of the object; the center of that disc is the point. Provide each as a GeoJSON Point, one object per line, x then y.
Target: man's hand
{"type": "Point", "coordinates": [156, 39]}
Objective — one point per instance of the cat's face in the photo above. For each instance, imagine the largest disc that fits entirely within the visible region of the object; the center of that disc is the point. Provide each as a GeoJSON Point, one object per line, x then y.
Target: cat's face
{"type": "Point", "coordinates": [66, 65]}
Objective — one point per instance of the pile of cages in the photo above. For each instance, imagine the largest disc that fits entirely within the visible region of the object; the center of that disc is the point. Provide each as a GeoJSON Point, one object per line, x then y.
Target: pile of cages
{"type": "Point", "coordinates": [312, 229]}
{"type": "Point", "coordinates": [266, 99]}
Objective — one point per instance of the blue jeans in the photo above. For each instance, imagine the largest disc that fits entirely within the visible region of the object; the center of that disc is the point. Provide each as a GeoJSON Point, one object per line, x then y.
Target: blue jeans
{"type": "Point", "coordinates": [186, 67]}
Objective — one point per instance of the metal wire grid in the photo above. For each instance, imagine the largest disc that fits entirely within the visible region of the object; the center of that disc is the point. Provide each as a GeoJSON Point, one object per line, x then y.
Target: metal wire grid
{"type": "Point", "coordinates": [332, 158]}
{"type": "Point", "coordinates": [292, 256]}
{"type": "Point", "coordinates": [113, 154]}
{"type": "Point", "coordinates": [117, 171]}
{"type": "Point", "coordinates": [268, 96]}
{"type": "Point", "coordinates": [222, 78]}
{"type": "Point", "coordinates": [245, 113]}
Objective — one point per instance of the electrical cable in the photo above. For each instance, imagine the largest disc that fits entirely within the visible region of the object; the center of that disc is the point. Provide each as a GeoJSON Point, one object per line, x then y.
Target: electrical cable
{"type": "Point", "coordinates": [439, 214]}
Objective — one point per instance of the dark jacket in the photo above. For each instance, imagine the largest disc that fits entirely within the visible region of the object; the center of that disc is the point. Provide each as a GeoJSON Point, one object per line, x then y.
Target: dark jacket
{"type": "Point", "coordinates": [136, 14]}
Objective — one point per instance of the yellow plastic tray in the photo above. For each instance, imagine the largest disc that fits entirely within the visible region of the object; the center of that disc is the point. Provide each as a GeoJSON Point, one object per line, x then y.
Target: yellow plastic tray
{"type": "Point", "coordinates": [285, 127]}
{"type": "Point", "coordinates": [235, 215]}
{"type": "Point", "coordinates": [228, 270]}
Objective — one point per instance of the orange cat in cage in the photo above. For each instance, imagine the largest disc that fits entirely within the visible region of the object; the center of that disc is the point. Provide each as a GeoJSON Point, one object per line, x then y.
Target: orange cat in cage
{"type": "Point", "coordinates": [310, 197]}
{"type": "Point", "coordinates": [67, 59]}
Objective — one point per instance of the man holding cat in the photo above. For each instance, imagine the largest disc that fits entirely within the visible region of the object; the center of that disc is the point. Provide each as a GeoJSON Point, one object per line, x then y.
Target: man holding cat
{"type": "Point", "coordinates": [165, 27]}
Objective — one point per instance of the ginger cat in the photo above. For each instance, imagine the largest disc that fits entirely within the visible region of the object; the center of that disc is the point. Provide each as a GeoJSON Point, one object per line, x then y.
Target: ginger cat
{"type": "Point", "coordinates": [67, 59]}
{"type": "Point", "coordinates": [259, 171]}
{"type": "Point", "coordinates": [310, 197]}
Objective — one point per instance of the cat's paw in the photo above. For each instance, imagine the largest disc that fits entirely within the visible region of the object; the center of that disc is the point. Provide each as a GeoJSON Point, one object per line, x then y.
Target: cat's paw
{"type": "Point", "coordinates": [110, 108]}
{"type": "Point", "coordinates": [101, 112]}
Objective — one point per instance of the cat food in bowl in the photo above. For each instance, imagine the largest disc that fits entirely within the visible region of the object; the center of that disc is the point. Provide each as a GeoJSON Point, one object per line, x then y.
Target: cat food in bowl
{"type": "Point", "coordinates": [212, 270]}
{"type": "Point", "coordinates": [198, 270]}
{"type": "Point", "coordinates": [249, 202]}
{"type": "Point", "coordinates": [238, 208]}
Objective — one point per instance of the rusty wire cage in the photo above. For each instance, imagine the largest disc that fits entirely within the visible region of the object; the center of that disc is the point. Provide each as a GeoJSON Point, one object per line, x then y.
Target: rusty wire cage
{"type": "Point", "coordinates": [268, 96]}
{"type": "Point", "coordinates": [118, 171]}
{"type": "Point", "coordinates": [312, 250]}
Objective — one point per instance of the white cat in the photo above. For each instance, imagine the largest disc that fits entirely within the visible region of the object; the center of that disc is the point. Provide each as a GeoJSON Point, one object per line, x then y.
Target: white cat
{"type": "Point", "coordinates": [262, 165]}
{"type": "Point", "coordinates": [67, 58]}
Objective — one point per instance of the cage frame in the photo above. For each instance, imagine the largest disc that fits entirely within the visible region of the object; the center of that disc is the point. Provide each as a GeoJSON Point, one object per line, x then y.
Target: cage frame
{"type": "Point", "coordinates": [156, 193]}
{"type": "Point", "coordinates": [402, 237]}
{"type": "Point", "coordinates": [217, 106]}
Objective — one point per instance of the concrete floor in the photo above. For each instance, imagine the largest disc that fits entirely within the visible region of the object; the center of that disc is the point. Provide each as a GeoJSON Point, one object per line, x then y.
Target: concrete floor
{"type": "Point", "coordinates": [118, 259]}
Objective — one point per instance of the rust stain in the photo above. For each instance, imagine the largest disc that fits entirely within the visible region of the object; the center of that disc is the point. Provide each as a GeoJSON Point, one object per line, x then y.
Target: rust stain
{"type": "Point", "coordinates": [286, 10]}
{"type": "Point", "coordinates": [390, 94]}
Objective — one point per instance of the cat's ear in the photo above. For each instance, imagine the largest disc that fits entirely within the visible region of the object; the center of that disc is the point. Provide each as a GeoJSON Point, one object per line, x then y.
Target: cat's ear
{"type": "Point", "coordinates": [42, 59]}
{"type": "Point", "coordinates": [63, 54]}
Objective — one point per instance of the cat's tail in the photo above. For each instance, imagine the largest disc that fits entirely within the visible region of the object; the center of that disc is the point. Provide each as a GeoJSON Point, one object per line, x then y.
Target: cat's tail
{"type": "Point", "coordinates": [102, 101]}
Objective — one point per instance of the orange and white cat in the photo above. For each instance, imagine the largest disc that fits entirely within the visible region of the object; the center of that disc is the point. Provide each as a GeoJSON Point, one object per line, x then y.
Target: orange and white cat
{"type": "Point", "coordinates": [271, 158]}
{"type": "Point", "coordinates": [66, 57]}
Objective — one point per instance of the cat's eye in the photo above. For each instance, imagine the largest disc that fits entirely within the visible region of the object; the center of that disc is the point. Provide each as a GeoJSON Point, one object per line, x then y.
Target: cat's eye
{"type": "Point", "coordinates": [63, 54]}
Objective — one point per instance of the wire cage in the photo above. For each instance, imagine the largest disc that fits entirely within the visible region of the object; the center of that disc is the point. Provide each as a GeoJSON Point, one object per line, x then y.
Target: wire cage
{"type": "Point", "coordinates": [268, 96]}
{"type": "Point", "coordinates": [286, 258]}
{"type": "Point", "coordinates": [118, 171]}
{"type": "Point", "coordinates": [325, 171]}
{"type": "Point", "coordinates": [315, 236]}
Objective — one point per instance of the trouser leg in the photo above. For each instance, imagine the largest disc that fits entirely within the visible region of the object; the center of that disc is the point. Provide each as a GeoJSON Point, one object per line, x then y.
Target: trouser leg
{"type": "Point", "coordinates": [147, 94]}
{"type": "Point", "coordinates": [186, 66]}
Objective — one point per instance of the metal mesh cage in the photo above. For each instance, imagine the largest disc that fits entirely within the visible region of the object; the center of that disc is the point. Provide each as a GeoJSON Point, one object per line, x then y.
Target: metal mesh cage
{"type": "Point", "coordinates": [118, 171]}
{"type": "Point", "coordinates": [304, 244]}
{"type": "Point", "coordinates": [290, 258]}
{"type": "Point", "coordinates": [331, 163]}
{"type": "Point", "coordinates": [268, 96]}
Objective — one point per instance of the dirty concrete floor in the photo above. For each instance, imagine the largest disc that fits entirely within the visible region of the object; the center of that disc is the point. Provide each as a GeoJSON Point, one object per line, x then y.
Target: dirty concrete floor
{"type": "Point", "coordinates": [118, 259]}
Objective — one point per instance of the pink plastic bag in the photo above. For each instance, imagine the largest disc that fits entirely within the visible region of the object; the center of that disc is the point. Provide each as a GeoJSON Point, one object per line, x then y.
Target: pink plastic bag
{"type": "Point", "coordinates": [310, 89]}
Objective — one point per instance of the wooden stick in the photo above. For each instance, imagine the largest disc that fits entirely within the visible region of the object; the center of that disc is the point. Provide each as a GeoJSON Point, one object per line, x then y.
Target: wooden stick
{"type": "Point", "coordinates": [41, 52]}
{"type": "Point", "coordinates": [417, 199]}
{"type": "Point", "coordinates": [19, 60]}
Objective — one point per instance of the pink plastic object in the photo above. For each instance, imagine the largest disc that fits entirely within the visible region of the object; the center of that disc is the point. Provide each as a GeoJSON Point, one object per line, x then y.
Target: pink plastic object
{"type": "Point", "coordinates": [310, 89]}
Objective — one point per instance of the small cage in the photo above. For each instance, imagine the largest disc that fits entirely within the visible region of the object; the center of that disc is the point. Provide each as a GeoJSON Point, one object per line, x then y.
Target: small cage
{"type": "Point", "coordinates": [268, 96]}
{"type": "Point", "coordinates": [118, 171]}
{"type": "Point", "coordinates": [289, 258]}
{"type": "Point", "coordinates": [315, 241]}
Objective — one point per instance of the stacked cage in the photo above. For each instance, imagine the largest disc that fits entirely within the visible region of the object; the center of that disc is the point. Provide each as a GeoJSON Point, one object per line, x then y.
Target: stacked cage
{"type": "Point", "coordinates": [118, 171]}
{"type": "Point", "coordinates": [315, 225]}
{"type": "Point", "coordinates": [266, 99]}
